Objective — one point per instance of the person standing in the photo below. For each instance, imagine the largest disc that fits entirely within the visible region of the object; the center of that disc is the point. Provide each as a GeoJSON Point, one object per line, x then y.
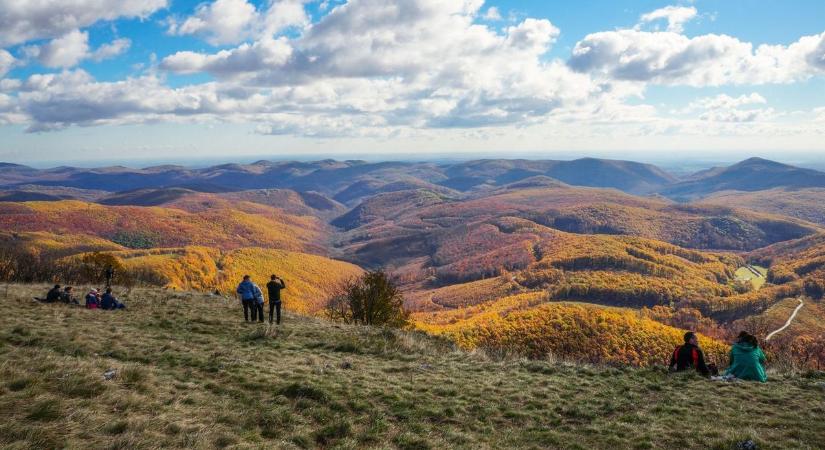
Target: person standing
{"type": "Point", "coordinates": [110, 275]}
{"type": "Point", "coordinates": [258, 304]}
{"type": "Point", "coordinates": [274, 290]}
{"type": "Point", "coordinates": [246, 291]}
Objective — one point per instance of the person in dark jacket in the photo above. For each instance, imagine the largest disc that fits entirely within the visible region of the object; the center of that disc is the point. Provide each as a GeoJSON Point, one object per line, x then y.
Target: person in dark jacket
{"type": "Point", "coordinates": [110, 302]}
{"type": "Point", "coordinates": [110, 275]}
{"type": "Point", "coordinates": [274, 290]}
{"type": "Point", "coordinates": [53, 295]}
{"type": "Point", "coordinates": [689, 356]}
{"type": "Point", "coordinates": [246, 292]}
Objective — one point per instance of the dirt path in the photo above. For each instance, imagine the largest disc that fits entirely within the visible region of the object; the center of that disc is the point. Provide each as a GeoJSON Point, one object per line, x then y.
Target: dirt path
{"type": "Point", "coordinates": [790, 319]}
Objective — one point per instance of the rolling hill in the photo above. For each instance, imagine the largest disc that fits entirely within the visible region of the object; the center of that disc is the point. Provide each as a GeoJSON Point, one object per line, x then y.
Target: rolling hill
{"type": "Point", "coordinates": [802, 203]}
{"type": "Point", "coordinates": [232, 226]}
{"type": "Point", "coordinates": [754, 174]}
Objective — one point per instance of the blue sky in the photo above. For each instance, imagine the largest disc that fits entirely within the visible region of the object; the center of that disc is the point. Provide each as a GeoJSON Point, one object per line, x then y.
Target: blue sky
{"type": "Point", "coordinates": [88, 80]}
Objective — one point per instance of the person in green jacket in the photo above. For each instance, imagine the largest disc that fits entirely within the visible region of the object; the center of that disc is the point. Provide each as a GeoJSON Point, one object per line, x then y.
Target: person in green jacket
{"type": "Point", "coordinates": [747, 362]}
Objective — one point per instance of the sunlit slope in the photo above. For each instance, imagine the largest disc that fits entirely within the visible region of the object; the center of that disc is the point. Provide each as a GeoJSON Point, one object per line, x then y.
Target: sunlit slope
{"type": "Point", "coordinates": [225, 226]}
{"type": "Point", "coordinates": [310, 278]}
{"type": "Point", "coordinates": [527, 324]}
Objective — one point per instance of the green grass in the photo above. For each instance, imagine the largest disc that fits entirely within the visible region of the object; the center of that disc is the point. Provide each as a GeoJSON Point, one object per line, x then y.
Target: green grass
{"type": "Point", "coordinates": [190, 374]}
{"type": "Point", "coordinates": [744, 274]}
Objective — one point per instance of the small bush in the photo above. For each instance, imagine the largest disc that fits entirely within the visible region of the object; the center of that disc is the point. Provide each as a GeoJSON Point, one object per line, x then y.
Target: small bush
{"type": "Point", "coordinates": [372, 299]}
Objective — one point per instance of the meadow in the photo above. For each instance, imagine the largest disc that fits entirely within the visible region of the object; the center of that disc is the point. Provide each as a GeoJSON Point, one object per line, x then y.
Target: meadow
{"type": "Point", "coordinates": [185, 372]}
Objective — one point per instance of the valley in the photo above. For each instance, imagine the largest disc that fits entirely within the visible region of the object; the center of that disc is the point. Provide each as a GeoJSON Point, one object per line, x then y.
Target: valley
{"type": "Point", "coordinates": [510, 256]}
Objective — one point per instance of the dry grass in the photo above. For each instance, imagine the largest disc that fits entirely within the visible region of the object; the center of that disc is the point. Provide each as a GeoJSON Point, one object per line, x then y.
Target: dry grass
{"type": "Point", "coordinates": [190, 374]}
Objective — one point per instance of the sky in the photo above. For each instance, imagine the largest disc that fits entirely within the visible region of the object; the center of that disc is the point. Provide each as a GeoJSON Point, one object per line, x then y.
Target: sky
{"type": "Point", "coordinates": [110, 80]}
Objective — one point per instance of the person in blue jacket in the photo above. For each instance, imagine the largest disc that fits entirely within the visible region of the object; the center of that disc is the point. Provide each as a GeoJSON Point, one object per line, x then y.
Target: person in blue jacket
{"type": "Point", "coordinates": [246, 292]}
{"type": "Point", "coordinates": [110, 302]}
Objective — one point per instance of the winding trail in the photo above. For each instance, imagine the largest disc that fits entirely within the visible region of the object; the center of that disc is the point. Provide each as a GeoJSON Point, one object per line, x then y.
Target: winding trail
{"type": "Point", "coordinates": [790, 319]}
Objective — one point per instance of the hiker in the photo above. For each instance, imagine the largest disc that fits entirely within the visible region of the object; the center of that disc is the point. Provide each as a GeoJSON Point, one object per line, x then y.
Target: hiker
{"type": "Point", "coordinates": [747, 361]}
{"type": "Point", "coordinates": [110, 302]}
{"type": "Point", "coordinates": [689, 356]}
{"type": "Point", "coordinates": [53, 295]}
{"type": "Point", "coordinates": [246, 292]}
{"type": "Point", "coordinates": [258, 304]}
{"type": "Point", "coordinates": [274, 290]}
{"type": "Point", "coordinates": [67, 296]}
{"type": "Point", "coordinates": [93, 299]}
{"type": "Point", "coordinates": [109, 274]}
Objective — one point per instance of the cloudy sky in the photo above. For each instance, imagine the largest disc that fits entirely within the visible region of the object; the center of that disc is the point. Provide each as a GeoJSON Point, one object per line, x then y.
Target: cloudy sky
{"type": "Point", "coordinates": [143, 79]}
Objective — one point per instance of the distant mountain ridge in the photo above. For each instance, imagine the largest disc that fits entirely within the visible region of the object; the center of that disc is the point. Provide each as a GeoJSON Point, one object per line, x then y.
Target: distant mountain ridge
{"type": "Point", "coordinates": [754, 174]}
{"type": "Point", "coordinates": [351, 181]}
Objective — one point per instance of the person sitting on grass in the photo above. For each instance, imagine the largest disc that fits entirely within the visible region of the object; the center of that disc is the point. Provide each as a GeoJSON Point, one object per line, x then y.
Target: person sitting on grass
{"type": "Point", "coordinates": [747, 361]}
{"type": "Point", "coordinates": [52, 296]}
{"type": "Point", "coordinates": [67, 296]}
{"type": "Point", "coordinates": [93, 299]}
{"type": "Point", "coordinates": [110, 302]}
{"type": "Point", "coordinates": [689, 356]}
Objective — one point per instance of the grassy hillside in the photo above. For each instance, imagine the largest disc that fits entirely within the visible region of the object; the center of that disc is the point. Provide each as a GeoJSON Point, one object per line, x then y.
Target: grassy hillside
{"type": "Point", "coordinates": [188, 373]}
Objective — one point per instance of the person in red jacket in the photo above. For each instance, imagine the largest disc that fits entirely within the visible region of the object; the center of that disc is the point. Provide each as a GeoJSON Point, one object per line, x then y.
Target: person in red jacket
{"type": "Point", "coordinates": [689, 356]}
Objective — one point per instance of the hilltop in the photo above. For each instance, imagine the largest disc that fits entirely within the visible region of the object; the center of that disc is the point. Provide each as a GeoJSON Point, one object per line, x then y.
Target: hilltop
{"type": "Point", "coordinates": [186, 373]}
{"type": "Point", "coordinates": [754, 174]}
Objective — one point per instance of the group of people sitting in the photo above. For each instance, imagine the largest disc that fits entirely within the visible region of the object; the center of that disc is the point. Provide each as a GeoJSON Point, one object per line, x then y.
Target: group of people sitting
{"type": "Point", "coordinates": [94, 299]}
{"type": "Point", "coordinates": [252, 298]}
{"type": "Point", "coordinates": [747, 361]}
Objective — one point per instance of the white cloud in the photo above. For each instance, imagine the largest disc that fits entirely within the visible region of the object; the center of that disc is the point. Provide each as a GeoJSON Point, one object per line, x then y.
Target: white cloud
{"type": "Point", "coordinates": [724, 108]}
{"type": "Point", "coordinates": [233, 21]}
{"type": "Point", "coordinates": [676, 16]}
{"type": "Point", "coordinates": [492, 14]}
{"type": "Point", "coordinates": [264, 54]}
{"type": "Point", "coordinates": [283, 14]}
{"type": "Point", "coordinates": [7, 61]}
{"type": "Point", "coordinates": [419, 63]}
{"type": "Point", "coordinates": [72, 48]}
{"type": "Point", "coordinates": [25, 20]}
{"type": "Point", "coordinates": [112, 49]}
{"type": "Point", "coordinates": [65, 51]}
{"type": "Point", "coordinates": [724, 101]}
{"type": "Point", "coordinates": [223, 21]}
{"type": "Point", "coordinates": [379, 69]}
{"type": "Point", "coordinates": [707, 60]}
